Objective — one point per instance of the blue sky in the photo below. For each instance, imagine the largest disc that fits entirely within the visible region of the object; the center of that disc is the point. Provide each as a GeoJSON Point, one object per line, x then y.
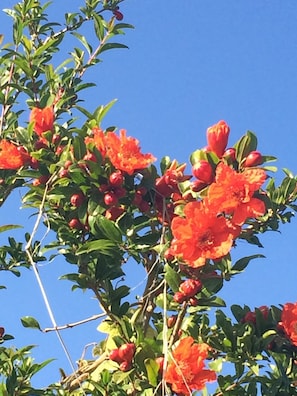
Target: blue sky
{"type": "Point", "coordinates": [189, 64]}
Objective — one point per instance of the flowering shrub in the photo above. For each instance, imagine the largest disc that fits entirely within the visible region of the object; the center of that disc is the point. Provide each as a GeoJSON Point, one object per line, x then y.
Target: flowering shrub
{"type": "Point", "coordinates": [106, 202]}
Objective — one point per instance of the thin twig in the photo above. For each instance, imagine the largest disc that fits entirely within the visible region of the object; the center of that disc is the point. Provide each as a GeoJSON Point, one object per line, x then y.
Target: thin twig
{"type": "Point", "coordinates": [38, 278]}
{"type": "Point", "coordinates": [70, 325]}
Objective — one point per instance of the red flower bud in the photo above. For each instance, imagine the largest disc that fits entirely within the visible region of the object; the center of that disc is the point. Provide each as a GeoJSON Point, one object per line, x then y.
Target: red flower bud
{"type": "Point", "coordinates": [41, 180]}
{"type": "Point", "coordinates": [77, 199]}
{"type": "Point", "coordinates": [114, 212]}
{"type": "Point", "coordinates": [2, 331]}
{"type": "Point", "coordinates": [90, 157]}
{"type": "Point", "coordinates": [230, 154]}
{"type": "Point", "coordinates": [217, 137]}
{"type": "Point", "coordinates": [110, 199]}
{"type": "Point", "coordinates": [253, 159]}
{"type": "Point", "coordinates": [59, 150]}
{"type": "Point", "coordinates": [190, 287]}
{"type": "Point", "coordinates": [64, 173]}
{"type": "Point", "coordinates": [202, 170]}
{"type": "Point", "coordinates": [171, 321]}
{"type": "Point", "coordinates": [67, 164]}
{"type": "Point", "coordinates": [56, 138]}
{"type": "Point", "coordinates": [116, 179]}
{"type": "Point", "coordinates": [75, 224]}
{"type": "Point", "coordinates": [119, 16]}
{"type": "Point", "coordinates": [126, 351]}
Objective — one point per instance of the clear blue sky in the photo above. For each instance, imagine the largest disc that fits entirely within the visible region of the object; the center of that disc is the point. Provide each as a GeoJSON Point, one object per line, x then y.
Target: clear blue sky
{"type": "Point", "coordinates": [190, 64]}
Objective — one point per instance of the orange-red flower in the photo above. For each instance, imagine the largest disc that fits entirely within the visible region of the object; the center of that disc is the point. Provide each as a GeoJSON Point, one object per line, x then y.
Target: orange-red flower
{"type": "Point", "coordinates": [217, 137]}
{"type": "Point", "coordinates": [233, 192]}
{"type": "Point", "coordinates": [289, 322]}
{"type": "Point", "coordinates": [201, 235]}
{"type": "Point", "coordinates": [43, 119]}
{"type": "Point", "coordinates": [98, 139]}
{"type": "Point", "coordinates": [186, 371]}
{"type": "Point", "coordinates": [12, 156]}
{"type": "Point", "coordinates": [124, 152]}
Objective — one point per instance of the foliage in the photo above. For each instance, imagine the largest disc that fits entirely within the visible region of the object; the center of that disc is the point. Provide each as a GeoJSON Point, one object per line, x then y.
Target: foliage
{"type": "Point", "coordinates": [106, 203]}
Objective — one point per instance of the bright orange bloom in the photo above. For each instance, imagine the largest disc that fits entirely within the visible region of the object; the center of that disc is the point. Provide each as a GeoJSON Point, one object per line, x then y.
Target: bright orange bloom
{"type": "Point", "coordinates": [98, 139]}
{"type": "Point", "coordinates": [201, 235]}
{"type": "Point", "coordinates": [12, 156]}
{"type": "Point", "coordinates": [124, 152]}
{"type": "Point", "coordinates": [233, 193]}
{"type": "Point", "coordinates": [217, 137]}
{"type": "Point", "coordinates": [186, 372]}
{"type": "Point", "coordinates": [289, 322]}
{"type": "Point", "coordinates": [43, 119]}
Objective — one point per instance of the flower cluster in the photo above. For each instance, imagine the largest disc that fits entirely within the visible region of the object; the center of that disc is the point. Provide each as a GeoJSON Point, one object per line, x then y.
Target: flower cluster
{"type": "Point", "coordinates": [209, 225]}
{"type": "Point", "coordinates": [288, 322]}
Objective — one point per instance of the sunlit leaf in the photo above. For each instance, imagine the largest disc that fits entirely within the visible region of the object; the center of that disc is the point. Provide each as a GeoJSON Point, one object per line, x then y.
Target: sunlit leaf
{"type": "Point", "coordinates": [29, 321]}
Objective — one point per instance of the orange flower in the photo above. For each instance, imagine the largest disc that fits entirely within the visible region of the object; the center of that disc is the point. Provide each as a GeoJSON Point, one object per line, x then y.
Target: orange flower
{"type": "Point", "coordinates": [43, 119]}
{"type": "Point", "coordinates": [289, 322]}
{"type": "Point", "coordinates": [186, 372]}
{"type": "Point", "coordinates": [217, 137]}
{"type": "Point", "coordinates": [124, 152]}
{"type": "Point", "coordinates": [12, 156]}
{"type": "Point", "coordinates": [233, 192]}
{"type": "Point", "coordinates": [98, 139]}
{"type": "Point", "coordinates": [201, 235]}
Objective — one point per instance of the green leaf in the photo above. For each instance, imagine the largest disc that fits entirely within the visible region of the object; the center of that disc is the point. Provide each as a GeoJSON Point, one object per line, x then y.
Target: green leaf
{"type": "Point", "coordinates": [109, 46]}
{"type": "Point", "coordinates": [29, 321]}
{"type": "Point", "coordinates": [245, 145]}
{"type": "Point", "coordinates": [99, 26]}
{"type": "Point", "coordinates": [109, 229]}
{"type": "Point", "coordinates": [9, 227]}
{"type": "Point", "coordinates": [84, 42]}
{"type": "Point", "coordinates": [101, 111]}
{"type": "Point", "coordinates": [172, 278]}
{"type": "Point", "coordinates": [103, 246]}
{"type": "Point", "coordinates": [212, 302]}
{"type": "Point", "coordinates": [152, 370]}
{"type": "Point", "coordinates": [241, 264]}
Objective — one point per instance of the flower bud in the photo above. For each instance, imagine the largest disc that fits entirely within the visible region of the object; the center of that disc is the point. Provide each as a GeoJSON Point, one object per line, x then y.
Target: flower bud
{"type": "Point", "coordinates": [202, 170]}
{"type": "Point", "coordinates": [77, 199]}
{"type": "Point", "coordinates": [253, 159]}
{"type": "Point", "coordinates": [217, 137]}
{"type": "Point", "coordinates": [116, 179]}
{"type": "Point", "coordinates": [126, 351]}
{"type": "Point", "coordinates": [190, 287]}
{"type": "Point", "coordinates": [230, 154]}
